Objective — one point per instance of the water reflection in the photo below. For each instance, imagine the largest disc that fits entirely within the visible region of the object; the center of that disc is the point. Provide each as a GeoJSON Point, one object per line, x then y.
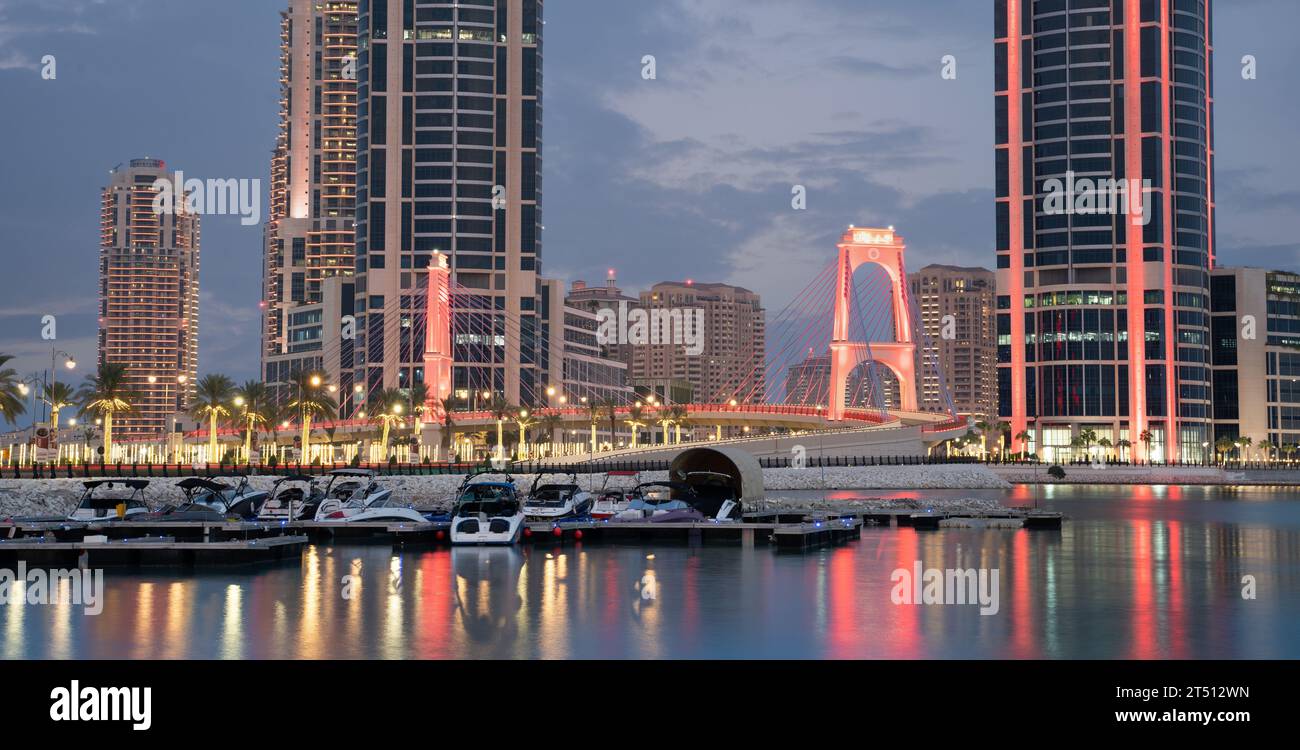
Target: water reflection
{"type": "Point", "coordinates": [1157, 575]}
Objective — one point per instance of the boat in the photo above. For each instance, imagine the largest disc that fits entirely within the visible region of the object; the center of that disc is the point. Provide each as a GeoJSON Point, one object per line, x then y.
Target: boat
{"type": "Point", "coordinates": [241, 499]}
{"type": "Point", "coordinates": [695, 496]}
{"type": "Point", "coordinates": [293, 498]}
{"type": "Point", "coordinates": [557, 501]}
{"type": "Point", "coordinates": [385, 509]}
{"type": "Point", "coordinates": [661, 502]}
{"type": "Point", "coordinates": [614, 499]}
{"type": "Point", "coordinates": [102, 498]}
{"type": "Point", "coordinates": [348, 492]}
{"type": "Point", "coordinates": [487, 513]}
{"type": "Point", "coordinates": [205, 500]}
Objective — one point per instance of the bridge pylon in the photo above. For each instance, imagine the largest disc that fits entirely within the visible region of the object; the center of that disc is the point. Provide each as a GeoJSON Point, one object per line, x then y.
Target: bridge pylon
{"type": "Point", "coordinates": [884, 248]}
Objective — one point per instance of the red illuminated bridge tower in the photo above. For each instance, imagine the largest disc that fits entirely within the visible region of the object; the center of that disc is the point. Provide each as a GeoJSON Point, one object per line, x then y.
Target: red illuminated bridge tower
{"type": "Point", "coordinates": [437, 343]}
{"type": "Point", "coordinates": [884, 248]}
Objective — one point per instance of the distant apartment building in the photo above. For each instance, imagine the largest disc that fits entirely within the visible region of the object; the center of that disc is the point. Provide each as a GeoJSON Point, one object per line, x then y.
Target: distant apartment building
{"type": "Point", "coordinates": [808, 383]}
{"type": "Point", "coordinates": [1255, 343]}
{"type": "Point", "coordinates": [957, 310]}
{"type": "Point", "coordinates": [148, 295]}
{"type": "Point", "coordinates": [313, 340]}
{"type": "Point", "coordinates": [577, 367]}
{"type": "Point", "coordinates": [309, 237]}
{"type": "Point", "coordinates": [731, 359]}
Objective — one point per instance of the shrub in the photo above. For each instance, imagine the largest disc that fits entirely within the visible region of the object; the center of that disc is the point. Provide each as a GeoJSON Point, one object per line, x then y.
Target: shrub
{"type": "Point", "coordinates": [1056, 472]}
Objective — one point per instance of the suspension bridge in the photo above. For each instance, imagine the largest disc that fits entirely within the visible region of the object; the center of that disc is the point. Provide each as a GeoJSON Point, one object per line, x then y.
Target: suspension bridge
{"type": "Point", "coordinates": [847, 361]}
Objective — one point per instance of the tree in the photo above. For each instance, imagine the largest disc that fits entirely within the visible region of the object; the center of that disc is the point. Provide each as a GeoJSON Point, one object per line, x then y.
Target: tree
{"type": "Point", "coordinates": [1123, 446]}
{"type": "Point", "coordinates": [1224, 446]}
{"type": "Point", "coordinates": [1004, 432]}
{"type": "Point", "coordinates": [593, 417]}
{"type": "Point", "coordinates": [1105, 446]}
{"type": "Point", "coordinates": [525, 420]}
{"type": "Point", "coordinates": [983, 428]}
{"type": "Point", "coordinates": [59, 396]}
{"type": "Point", "coordinates": [313, 400]}
{"type": "Point", "coordinates": [611, 410]}
{"type": "Point", "coordinates": [549, 424]}
{"type": "Point", "coordinates": [448, 426]}
{"type": "Point", "coordinates": [1146, 437]}
{"type": "Point", "coordinates": [107, 394]}
{"type": "Point", "coordinates": [256, 405]}
{"type": "Point", "coordinates": [389, 407]}
{"type": "Point", "coordinates": [665, 421]}
{"type": "Point", "coordinates": [501, 411]}
{"type": "Point", "coordinates": [1023, 437]}
{"type": "Point", "coordinates": [418, 397]}
{"type": "Point", "coordinates": [210, 397]}
{"type": "Point", "coordinates": [681, 418]}
{"type": "Point", "coordinates": [635, 420]}
{"type": "Point", "coordinates": [11, 391]}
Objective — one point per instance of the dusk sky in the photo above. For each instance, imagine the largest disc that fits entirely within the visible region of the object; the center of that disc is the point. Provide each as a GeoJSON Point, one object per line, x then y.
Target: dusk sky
{"type": "Point", "coordinates": [689, 175]}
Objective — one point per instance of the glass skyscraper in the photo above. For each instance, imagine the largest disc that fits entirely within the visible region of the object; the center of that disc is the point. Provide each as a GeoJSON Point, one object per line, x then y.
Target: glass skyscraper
{"type": "Point", "coordinates": [449, 161]}
{"type": "Point", "coordinates": [1103, 316]}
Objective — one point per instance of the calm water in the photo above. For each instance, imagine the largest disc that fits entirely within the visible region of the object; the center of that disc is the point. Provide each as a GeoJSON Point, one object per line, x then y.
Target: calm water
{"type": "Point", "coordinates": [1140, 572]}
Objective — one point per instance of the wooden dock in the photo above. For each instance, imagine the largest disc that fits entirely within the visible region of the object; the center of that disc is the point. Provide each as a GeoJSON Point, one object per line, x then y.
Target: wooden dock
{"type": "Point", "coordinates": [151, 551]}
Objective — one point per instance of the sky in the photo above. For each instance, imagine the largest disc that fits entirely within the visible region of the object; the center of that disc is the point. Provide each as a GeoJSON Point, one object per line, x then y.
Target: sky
{"type": "Point", "coordinates": [687, 175]}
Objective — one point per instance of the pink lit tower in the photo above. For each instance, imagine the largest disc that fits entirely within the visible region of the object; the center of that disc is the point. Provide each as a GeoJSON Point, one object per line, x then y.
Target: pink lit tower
{"type": "Point", "coordinates": [1103, 318]}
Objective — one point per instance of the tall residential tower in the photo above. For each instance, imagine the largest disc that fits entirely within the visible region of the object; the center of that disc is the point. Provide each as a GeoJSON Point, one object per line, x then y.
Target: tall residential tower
{"type": "Point", "coordinates": [149, 294]}
{"type": "Point", "coordinates": [449, 161]}
{"type": "Point", "coordinates": [309, 234]}
{"type": "Point", "coordinates": [1103, 320]}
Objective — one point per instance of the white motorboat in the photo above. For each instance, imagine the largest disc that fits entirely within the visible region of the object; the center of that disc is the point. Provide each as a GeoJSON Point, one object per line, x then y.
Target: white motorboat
{"type": "Point", "coordinates": [349, 492]}
{"type": "Point", "coordinates": [240, 500]}
{"type": "Point", "coordinates": [103, 498]}
{"type": "Point", "coordinates": [487, 513]}
{"type": "Point", "coordinates": [616, 497]}
{"type": "Point", "coordinates": [293, 498]}
{"type": "Point", "coordinates": [557, 501]}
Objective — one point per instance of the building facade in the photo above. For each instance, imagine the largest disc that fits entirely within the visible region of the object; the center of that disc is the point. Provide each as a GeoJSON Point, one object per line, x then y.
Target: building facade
{"type": "Point", "coordinates": [731, 359]}
{"type": "Point", "coordinates": [449, 160]}
{"type": "Point", "coordinates": [149, 294]}
{"type": "Point", "coordinates": [957, 313]}
{"type": "Point", "coordinates": [1103, 315]}
{"type": "Point", "coordinates": [309, 237]}
{"type": "Point", "coordinates": [1256, 355]}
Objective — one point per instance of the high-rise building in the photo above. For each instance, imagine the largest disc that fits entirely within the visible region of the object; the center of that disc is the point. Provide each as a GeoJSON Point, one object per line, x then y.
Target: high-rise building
{"type": "Point", "coordinates": [1103, 319]}
{"type": "Point", "coordinates": [1256, 348]}
{"type": "Point", "coordinates": [149, 293]}
{"type": "Point", "coordinates": [577, 365]}
{"type": "Point", "coordinates": [729, 362]}
{"type": "Point", "coordinates": [308, 237]}
{"type": "Point", "coordinates": [449, 160]}
{"type": "Point", "coordinates": [956, 307]}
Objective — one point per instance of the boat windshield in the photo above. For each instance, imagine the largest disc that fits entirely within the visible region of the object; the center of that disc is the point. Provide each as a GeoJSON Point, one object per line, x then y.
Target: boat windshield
{"type": "Point", "coordinates": [493, 500]}
{"type": "Point", "coordinates": [552, 496]}
{"type": "Point", "coordinates": [108, 503]}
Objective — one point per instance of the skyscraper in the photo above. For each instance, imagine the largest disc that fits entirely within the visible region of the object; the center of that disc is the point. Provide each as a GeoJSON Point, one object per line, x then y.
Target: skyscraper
{"type": "Point", "coordinates": [149, 294]}
{"type": "Point", "coordinates": [956, 308]}
{"type": "Point", "coordinates": [1103, 319]}
{"type": "Point", "coordinates": [449, 160]}
{"type": "Point", "coordinates": [309, 234]}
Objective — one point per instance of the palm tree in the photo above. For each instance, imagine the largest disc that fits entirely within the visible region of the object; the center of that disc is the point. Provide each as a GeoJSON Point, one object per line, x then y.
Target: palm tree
{"type": "Point", "coordinates": [635, 420]}
{"type": "Point", "coordinates": [278, 417]}
{"type": "Point", "coordinates": [1224, 446]}
{"type": "Point", "coordinates": [313, 400]}
{"type": "Point", "coordinates": [59, 396]}
{"type": "Point", "coordinates": [983, 428]}
{"type": "Point", "coordinates": [418, 396]}
{"type": "Point", "coordinates": [1023, 437]}
{"type": "Point", "coordinates": [1146, 437]}
{"type": "Point", "coordinates": [525, 420]}
{"type": "Point", "coordinates": [611, 410]}
{"type": "Point", "coordinates": [1004, 431]}
{"type": "Point", "coordinates": [389, 406]}
{"type": "Point", "coordinates": [501, 411]}
{"type": "Point", "coordinates": [11, 391]}
{"type": "Point", "coordinates": [549, 424]}
{"type": "Point", "coordinates": [1105, 446]}
{"type": "Point", "coordinates": [210, 398]}
{"type": "Point", "coordinates": [665, 421]}
{"type": "Point", "coordinates": [107, 393]}
{"type": "Point", "coordinates": [254, 398]}
{"type": "Point", "coordinates": [593, 417]}
{"type": "Point", "coordinates": [1123, 446]}
{"type": "Point", "coordinates": [680, 417]}
{"type": "Point", "coordinates": [448, 426]}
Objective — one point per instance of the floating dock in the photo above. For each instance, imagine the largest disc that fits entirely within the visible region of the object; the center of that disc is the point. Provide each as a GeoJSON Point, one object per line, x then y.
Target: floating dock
{"type": "Point", "coordinates": [151, 551]}
{"type": "Point", "coordinates": [396, 533]}
{"type": "Point", "coordinates": [800, 536]}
